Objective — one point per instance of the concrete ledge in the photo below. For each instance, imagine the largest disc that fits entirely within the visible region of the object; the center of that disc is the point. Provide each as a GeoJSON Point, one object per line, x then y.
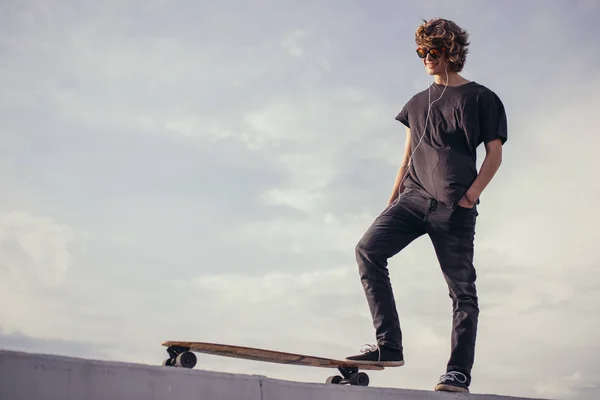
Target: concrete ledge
{"type": "Point", "coordinates": [49, 377]}
{"type": "Point", "coordinates": [273, 389]}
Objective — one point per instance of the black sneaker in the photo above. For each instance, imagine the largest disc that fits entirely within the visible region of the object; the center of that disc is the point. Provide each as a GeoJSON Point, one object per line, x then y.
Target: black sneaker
{"type": "Point", "coordinates": [380, 355]}
{"type": "Point", "coordinates": [453, 381]}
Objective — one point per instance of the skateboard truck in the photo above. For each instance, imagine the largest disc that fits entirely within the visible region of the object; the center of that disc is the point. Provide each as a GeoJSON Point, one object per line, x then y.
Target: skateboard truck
{"type": "Point", "coordinates": [350, 376]}
{"type": "Point", "coordinates": [180, 356]}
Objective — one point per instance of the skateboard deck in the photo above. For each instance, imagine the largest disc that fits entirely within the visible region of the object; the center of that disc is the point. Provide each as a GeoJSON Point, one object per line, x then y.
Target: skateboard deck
{"type": "Point", "coordinates": [181, 354]}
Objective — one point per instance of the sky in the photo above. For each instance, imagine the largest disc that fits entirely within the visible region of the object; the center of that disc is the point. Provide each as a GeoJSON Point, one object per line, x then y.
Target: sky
{"type": "Point", "coordinates": [194, 170]}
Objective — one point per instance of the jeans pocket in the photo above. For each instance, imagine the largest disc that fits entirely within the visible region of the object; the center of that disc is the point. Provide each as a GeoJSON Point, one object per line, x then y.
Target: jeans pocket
{"type": "Point", "coordinates": [462, 209]}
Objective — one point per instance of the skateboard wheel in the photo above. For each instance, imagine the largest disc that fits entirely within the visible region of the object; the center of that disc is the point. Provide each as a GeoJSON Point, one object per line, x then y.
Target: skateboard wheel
{"type": "Point", "coordinates": [187, 359]}
{"type": "Point", "coordinates": [360, 379]}
{"type": "Point", "coordinates": [336, 380]}
{"type": "Point", "coordinates": [168, 362]}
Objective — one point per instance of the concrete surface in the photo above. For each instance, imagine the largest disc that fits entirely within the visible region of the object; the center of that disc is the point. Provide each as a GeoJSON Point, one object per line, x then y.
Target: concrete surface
{"type": "Point", "coordinates": [48, 377]}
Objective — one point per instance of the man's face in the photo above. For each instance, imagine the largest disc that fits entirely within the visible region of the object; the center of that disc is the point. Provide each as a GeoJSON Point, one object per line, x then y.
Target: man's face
{"type": "Point", "coordinates": [434, 59]}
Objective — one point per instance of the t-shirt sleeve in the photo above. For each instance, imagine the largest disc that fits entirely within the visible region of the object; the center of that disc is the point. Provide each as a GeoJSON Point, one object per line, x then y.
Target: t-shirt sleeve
{"type": "Point", "coordinates": [492, 118]}
{"type": "Point", "coordinates": [403, 115]}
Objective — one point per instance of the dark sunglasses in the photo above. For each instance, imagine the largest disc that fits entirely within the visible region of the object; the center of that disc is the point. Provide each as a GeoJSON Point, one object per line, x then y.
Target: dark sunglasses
{"type": "Point", "coordinates": [436, 52]}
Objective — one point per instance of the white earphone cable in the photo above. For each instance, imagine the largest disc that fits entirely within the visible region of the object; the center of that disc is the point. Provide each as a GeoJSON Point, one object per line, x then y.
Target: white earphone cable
{"type": "Point", "coordinates": [423, 135]}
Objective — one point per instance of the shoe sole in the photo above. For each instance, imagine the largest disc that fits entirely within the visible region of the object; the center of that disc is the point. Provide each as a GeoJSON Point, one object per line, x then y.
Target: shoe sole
{"type": "Point", "coordinates": [450, 388]}
{"type": "Point", "coordinates": [379, 363]}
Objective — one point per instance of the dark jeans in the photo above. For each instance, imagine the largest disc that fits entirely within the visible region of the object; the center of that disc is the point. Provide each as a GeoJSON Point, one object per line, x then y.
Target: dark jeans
{"type": "Point", "coordinates": [452, 232]}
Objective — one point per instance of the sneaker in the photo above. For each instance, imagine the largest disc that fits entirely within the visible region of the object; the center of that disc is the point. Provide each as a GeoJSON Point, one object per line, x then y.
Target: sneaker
{"type": "Point", "coordinates": [453, 381]}
{"type": "Point", "coordinates": [380, 355]}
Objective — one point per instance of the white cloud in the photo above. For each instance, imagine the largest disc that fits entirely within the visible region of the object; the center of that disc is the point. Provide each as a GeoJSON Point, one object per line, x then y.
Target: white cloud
{"type": "Point", "coordinates": [569, 386]}
{"type": "Point", "coordinates": [35, 251]}
{"type": "Point", "coordinates": [309, 136]}
{"type": "Point", "coordinates": [292, 42]}
{"type": "Point", "coordinates": [36, 258]}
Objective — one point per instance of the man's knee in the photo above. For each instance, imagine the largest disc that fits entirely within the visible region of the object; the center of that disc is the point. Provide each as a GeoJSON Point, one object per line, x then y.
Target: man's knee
{"type": "Point", "coordinates": [367, 251]}
{"type": "Point", "coordinates": [362, 248]}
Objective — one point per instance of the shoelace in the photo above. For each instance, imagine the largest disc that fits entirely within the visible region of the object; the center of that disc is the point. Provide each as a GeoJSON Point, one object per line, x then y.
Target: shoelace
{"type": "Point", "coordinates": [369, 348]}
{"type": "Point", "coordinates": [453, 376]}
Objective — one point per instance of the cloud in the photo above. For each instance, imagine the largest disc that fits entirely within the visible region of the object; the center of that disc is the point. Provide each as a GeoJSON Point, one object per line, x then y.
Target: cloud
{"type": "Point", "coordinates": [29, 344]}
{"type": "Point", "coordinates": [577, 386]}
{"type": "Point", "coordinates": [291, 42]}
{"type": "Point", "coordinates": [34, 250]}
{"type": "Point", "coordinates": [37, 257]}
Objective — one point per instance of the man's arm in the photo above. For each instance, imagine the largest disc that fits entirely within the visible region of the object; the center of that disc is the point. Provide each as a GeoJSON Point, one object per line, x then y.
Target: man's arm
{"type": "Point", "coordinates": [489, 167]}
{"type": "Point", "coordinates": [399, 183]}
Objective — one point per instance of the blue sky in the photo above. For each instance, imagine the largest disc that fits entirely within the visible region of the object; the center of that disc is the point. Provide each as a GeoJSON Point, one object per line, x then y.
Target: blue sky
{"type": "Point", "coordinates": [201, 171]}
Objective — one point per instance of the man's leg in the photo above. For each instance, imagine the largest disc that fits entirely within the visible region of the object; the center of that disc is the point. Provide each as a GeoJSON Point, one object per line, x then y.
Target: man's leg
{"type": "Point", "coordinates": [452, 233]}
{"type": "Point", "coordinates": [391, 231]}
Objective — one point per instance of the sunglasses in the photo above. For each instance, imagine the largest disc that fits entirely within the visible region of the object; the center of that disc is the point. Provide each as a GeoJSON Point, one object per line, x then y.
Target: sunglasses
{"type": "Point", "coordinates": [435, 52]}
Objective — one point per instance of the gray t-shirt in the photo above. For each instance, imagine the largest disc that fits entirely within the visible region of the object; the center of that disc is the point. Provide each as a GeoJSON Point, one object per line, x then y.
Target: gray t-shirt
{"type": "Point", "coordinates": [444, 164]}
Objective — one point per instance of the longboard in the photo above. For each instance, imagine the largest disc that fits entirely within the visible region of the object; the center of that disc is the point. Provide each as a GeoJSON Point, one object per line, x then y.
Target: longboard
{"type": "Point", "coordinates": [181, 354]}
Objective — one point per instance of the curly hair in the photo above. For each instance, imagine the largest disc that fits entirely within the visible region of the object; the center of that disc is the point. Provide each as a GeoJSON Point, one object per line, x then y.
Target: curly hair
{"type": "Point", "coordinates": [442, 32]}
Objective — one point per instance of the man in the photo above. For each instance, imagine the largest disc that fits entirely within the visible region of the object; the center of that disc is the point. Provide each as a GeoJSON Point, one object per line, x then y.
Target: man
{"type": "Point", "coordinates": [436, 192]}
